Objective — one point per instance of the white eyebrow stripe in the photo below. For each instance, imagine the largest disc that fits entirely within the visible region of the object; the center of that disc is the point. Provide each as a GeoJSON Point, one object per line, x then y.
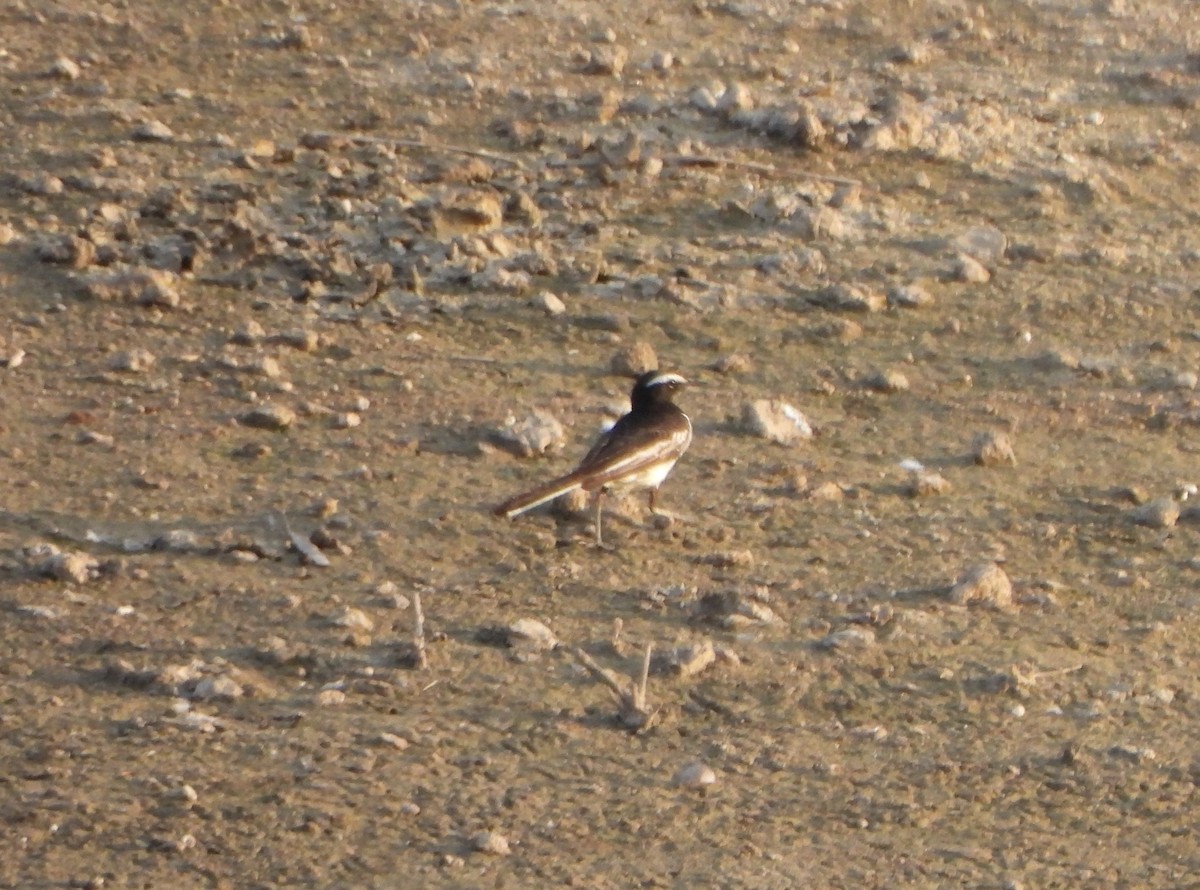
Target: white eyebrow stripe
{"type": "Point", "coordinates": [662, 379]}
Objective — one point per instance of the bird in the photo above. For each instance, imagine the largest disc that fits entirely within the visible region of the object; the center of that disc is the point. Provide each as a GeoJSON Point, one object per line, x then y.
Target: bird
{"type": "Point", "coordinates": [635, 453]}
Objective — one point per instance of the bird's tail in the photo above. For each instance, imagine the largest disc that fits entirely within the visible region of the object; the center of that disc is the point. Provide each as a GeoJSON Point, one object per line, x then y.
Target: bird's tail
{"type": "Point", "coordinates": [535, 497]}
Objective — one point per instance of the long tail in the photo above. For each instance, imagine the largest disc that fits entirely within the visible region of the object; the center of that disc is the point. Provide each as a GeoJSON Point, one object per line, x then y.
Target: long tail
{"type": "Point", "coordinates": [517, 505]}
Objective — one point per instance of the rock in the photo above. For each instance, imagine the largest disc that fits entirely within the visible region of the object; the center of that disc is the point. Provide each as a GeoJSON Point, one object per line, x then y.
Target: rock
{"type": "Point", "coordinates": [549, 303]}
{"type": "Point", "coordinates": [355, 619]}
{"type": "Point", "coordinates": [694, 775]}
{"type": "Point", "coordinates": [249, 334]}
{"type": "Point", "coordinates": [685, 661]}
{"type": "Point", "coordinates": [925, 483]}
{"type": "Point", "coordinates": [531, 635]}
{"type": "Point", "coordinates": [607, 61]}
{"type": "Point", "coordinates": [1158, 513]}
{"type": "Point", "coordinates": [152, 131]}
{"type": "Point", "coordinates": [268, 417]}
{"type": "Point", "coordinates": [776, 421]}
{"type": "Point", "coordinates": [727, 559]}
{"type": "Point", "coordinates": [735, 363]}
{"type": "Point", "coordinates": [736, 97]}
{"type": "Point", "coordinates": [909, 296]}
{"type": "Point", "coordinates": [64, 68]}
{"type": "Point", "coordinates": [992, 448]}
{"type": "Point", "coordinates": [702, 99]}
{"type": "Point", "coordinates": [967, 268]}
{"type": "Point", "coordinates": [75, 566]}
{"type": "Point", "coordinates": [848, 638]}
{"type": "Point", "coordinates": [1057, 359]}
{"type": "Point", "coordinates": [985, 244]}
{"type": "Point", "coordinates": [490, 842]}
{"type": "Point", "coordinates": [133, 361]}
{"type": "Point", "coordinates": [848, 298]}
{"type": "Point", "coordinates": [827, 492]}
{"type": "Point", "coordinates": [142, 286]}
{"type": "Point", "coordinates": [66, 250]}
{"type": "Point", "coordinates": [887, 381]}
{"type": "Point", "coordinates": [534, 434]}
{"type": "Point", "coordinates": [331, 697]}
{"type": "Point", "coordinates": [985, 584]}
{"type": "Point", "coordinates": [633, 361]}
{"type": "Point", "coordinates": [301, 340]}
{"type": "Point", "coordinates": [733, 609]}
{"type": "Point", "coordinates": [220, 688]}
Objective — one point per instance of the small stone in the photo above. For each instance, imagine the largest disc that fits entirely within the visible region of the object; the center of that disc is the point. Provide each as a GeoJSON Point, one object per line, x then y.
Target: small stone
{"type": "Point", "coordinates": [702, 99]}
{"type": "Point", "coordinates": [133, 361]}
{"type": "Point", "coordinates": [142, 286]}
{"type": "Point", "coordinates": [76, 566]}
{"type": "Point", "coordinates": [909, 296]}
{"type": "Point", "coordinates": [635, 360]}
{"type": "Point", "coordinates": [92, 437]}
{"type": "Point", "coordinates": [64, 69]}
{"type": "Point", "coordinates": [606, 61]}
{"type": "Point", "coordinates": [736, 97]}
{"type": "Point", "coordinates": [776, 421]}
{"type": "Point", "coordinates": [727, 559]}
{"type": "Point", "coordinates": [355, 619]}
{"type": "Point", "coordinates": [985, 584]}
{"type": "Point", "coordinates": [887, 381]}
{"type": "Point", "coordinates": [221, 688]}
{"type": "Point", "coordinates": [534, 434]}
{"type": "Point", "coordinates": [346, 420]}
{"type": "Point", "coordinates": [985, 244]}
{"type": "Point", "coordinates": [331, 697]}
{"type": "Point", "coordinates": [733, 609]}
{"type": "Point", "coordinates": [301, 340]}
{"type": "Point", "coordinates": [848, 298]}
{"type": "Point", "coordinates": [925, 483]}
{"type": "Point", "coordinates": [399, 742]}
{"type": "Point", "coordinates": [967, 268]}
{"type": "Point", "coordinates": [735, 363]}
{"type": "Point", "coordinates": [249, 334]}
{"type": "Point", "coordinates": [992, 448]}
{"type": "Point", "coordinates": [831, 492]}
{"type": "Point", "coordinates": [265, 366]}
{"type": "Point", "coordinates": [490, 842]}
{"type": "Point", "coordinates": [1158, 513]}
{"type": "Point", "coordinates": [685, 661]}
{"type": "Point", "coordinates": [152, 131]}
{"type": "Point", "coordinates": [531, 635]}
{"type": "Point", "coordinates": [549, 303]}
{"type": "Point", "coordinates": [848, 638]}
{"type": "Point", "coordinates": [268, 417]}
{"type": "Point", "coordinates": [1057, 360]}
{"type": "Point", "coordinates": [694, 775]}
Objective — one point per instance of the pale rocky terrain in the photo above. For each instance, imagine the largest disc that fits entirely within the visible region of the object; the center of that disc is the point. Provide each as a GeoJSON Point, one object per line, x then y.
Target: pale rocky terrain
{"type": "Point", "coordinates": [293, 293]}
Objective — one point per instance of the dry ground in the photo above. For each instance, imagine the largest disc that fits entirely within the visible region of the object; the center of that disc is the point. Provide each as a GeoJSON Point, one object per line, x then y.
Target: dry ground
{"type": "Point", "coordinates": [201, 707]}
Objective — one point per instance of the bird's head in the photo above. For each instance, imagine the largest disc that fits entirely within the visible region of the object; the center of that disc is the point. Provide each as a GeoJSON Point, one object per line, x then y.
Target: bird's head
{"type": "Point", "coordinates": [655, 386]}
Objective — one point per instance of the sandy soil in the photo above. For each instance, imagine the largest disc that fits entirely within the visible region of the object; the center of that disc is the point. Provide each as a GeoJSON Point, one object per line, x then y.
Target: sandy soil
{"type": "Point", "coordinates": [281, 270]}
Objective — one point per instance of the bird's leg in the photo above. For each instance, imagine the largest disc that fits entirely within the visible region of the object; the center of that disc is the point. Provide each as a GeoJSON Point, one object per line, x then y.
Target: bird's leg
{"type": "Point", "coordinates": [599, 502]}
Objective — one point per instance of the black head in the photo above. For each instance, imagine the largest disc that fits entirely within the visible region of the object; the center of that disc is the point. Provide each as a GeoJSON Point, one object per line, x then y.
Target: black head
{"type": "Point", "coordinates": [655, 387]}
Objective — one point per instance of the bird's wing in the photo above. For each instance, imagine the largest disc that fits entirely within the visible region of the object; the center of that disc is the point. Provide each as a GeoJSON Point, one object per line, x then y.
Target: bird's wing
{"type": "Point", "coordinates": [627, 449]}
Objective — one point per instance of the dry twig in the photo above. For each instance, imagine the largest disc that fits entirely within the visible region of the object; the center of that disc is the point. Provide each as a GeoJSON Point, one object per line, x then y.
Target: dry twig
{"type": "Point", "coordinates": [420, 659]}
{"type": "Point", "coordinates": [633, 710]}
